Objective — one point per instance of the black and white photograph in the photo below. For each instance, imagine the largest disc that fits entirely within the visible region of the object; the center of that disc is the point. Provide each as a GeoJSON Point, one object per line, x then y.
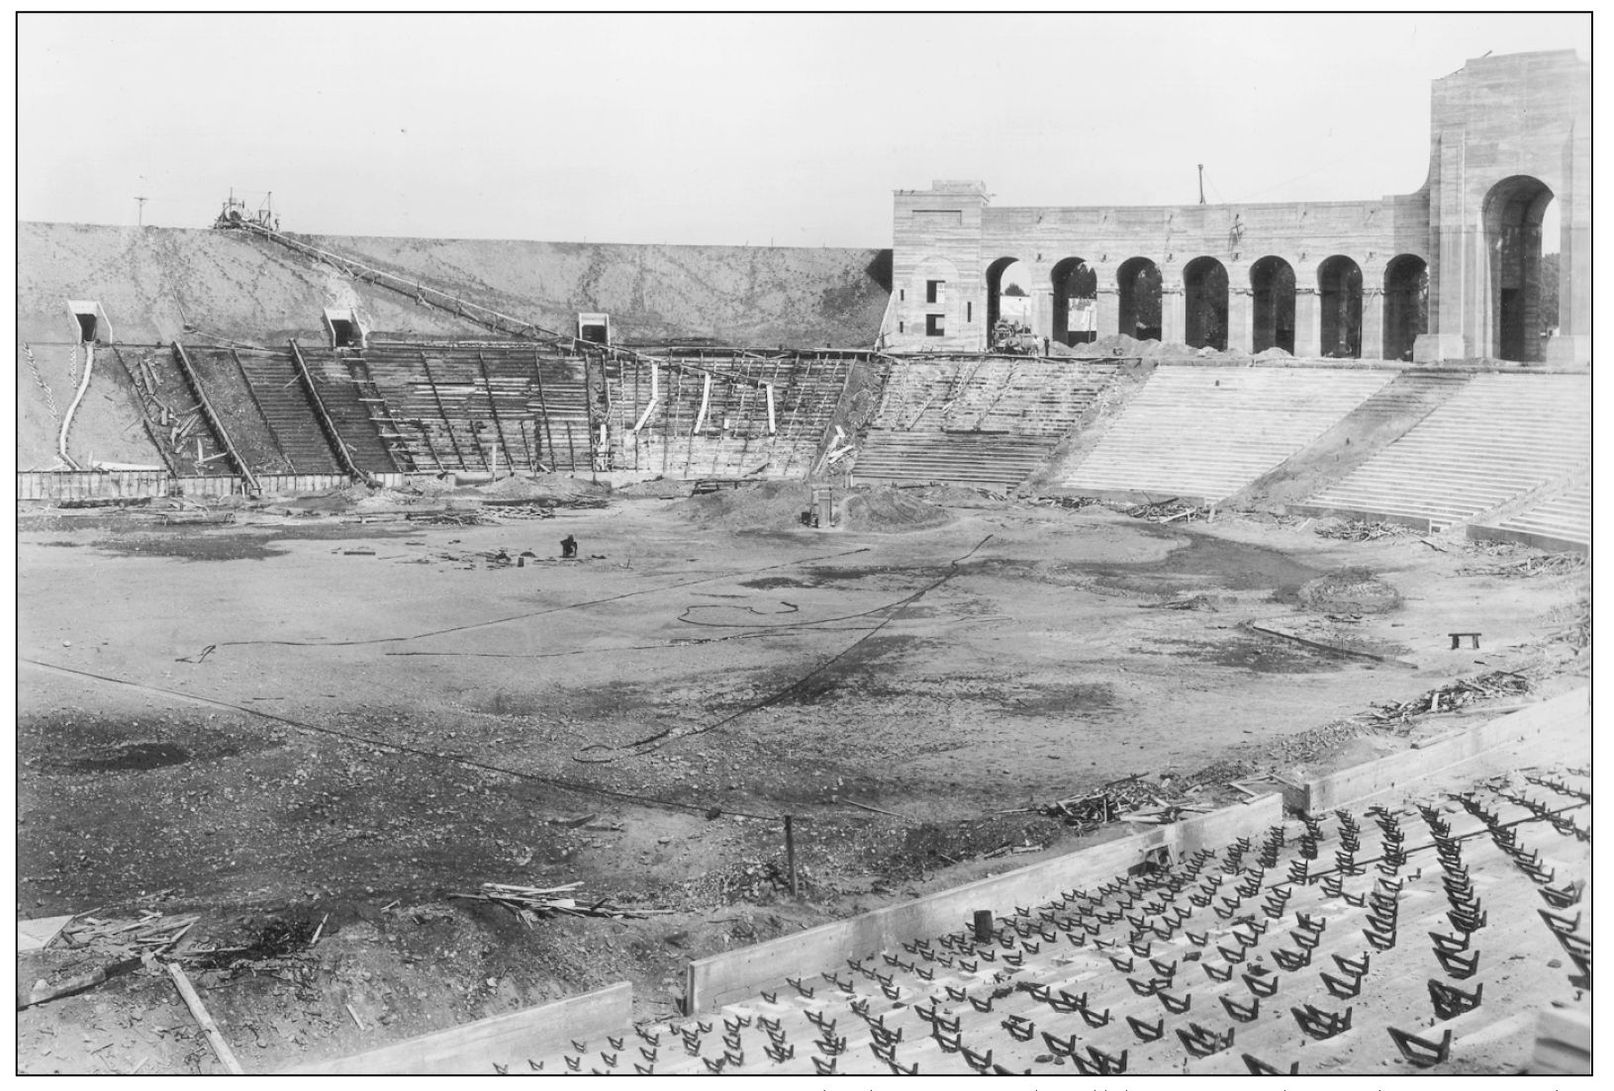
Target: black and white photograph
{"type": "Point", "coordinates": [818, 545]}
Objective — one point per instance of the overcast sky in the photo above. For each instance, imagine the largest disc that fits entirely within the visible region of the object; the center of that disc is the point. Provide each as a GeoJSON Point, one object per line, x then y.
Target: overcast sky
{"type": "Point", "coordinates": [790, 130]}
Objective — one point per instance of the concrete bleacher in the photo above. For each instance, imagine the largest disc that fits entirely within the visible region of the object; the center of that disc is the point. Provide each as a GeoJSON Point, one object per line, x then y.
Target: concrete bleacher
{"type": "Point", "coordinates": [1495, 440]}
{"type": "Point", "coordinates": [986, 422]}
{"type": "Point", "coordinates": [1213, 965]}
{"type": "Point", "coordinates": [280, 396]}
{"type": "Point", "coordinates": [1207, 431]}
{"type": "Point", "coordinates": [1562, 521]}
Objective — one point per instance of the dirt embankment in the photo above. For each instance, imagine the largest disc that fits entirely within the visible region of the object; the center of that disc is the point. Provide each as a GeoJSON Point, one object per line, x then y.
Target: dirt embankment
{"type": "Point", "coordinates": [157, 284]}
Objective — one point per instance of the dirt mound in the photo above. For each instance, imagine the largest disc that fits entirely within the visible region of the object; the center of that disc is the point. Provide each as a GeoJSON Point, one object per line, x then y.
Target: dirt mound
{"type": "Point", "coordinates": [891, 510]}
{"type": "Point", "coordinates": [1274, 353]}
{"type": "Point", "coordinates": [657, 488]}
{"type": "Point", "coordinates": [540, 486]}
{"type": "Point", "coordinates": [960, 496]}
{"type": "Point", "coordinates": [1116, 344]}
{"type": "Point", "coordinates": [1167, 348]}
{"type": "Point", "coordinates": [385, 498]}
{"type": "Point", "coordinates": [767, 505]}
{"type": "Point", "coordinates": [1350, 591]}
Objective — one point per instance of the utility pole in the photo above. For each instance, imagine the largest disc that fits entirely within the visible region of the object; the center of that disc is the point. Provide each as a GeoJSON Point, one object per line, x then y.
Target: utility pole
{"type": "Point", "coordinates": [142, 213]}
{"type": "Point", "coordinates": [1202, 183]}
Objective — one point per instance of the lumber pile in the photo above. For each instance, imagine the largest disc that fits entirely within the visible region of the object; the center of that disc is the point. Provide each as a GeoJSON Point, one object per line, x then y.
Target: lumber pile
{"type": "Point", "coordinates": [1452, 696]}
{"type": "Point", "coordinates": [532, 904]}
{"type": "Point", "coordinates": [151, 933]}
{"type": "Point", "coordinates": [1130, 799]}
{"type": "Point", "coordinates": [1361, 530]}
{"type": "Point", "coordinates": [1546, 564]}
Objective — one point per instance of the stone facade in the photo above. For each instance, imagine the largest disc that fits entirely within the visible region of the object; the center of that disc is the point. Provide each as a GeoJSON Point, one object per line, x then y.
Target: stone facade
{"type": "Point", "coordinates": [1509, 134]}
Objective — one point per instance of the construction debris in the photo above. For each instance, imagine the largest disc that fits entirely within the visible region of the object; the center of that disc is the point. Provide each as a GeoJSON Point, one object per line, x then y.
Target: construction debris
{"type": "Point", "coordinates": [1165, 511]}
{"type": "Point", "coordinates": [1069, 502]}
{"type": "Point", "coordinates": [1131, 799]}
{"type": "Point", "coordinates": [534, 903]}
{"type": "Point", "coordinates": [1361, 530]}
{"type": "Point", "coordinates": [151, 933]}
{"type": "Point", "coordinates": [1541, 564]}
{"type": "Point", "coordinates": [1452, 696]}
{"type": "Point", "coordinates": [43, 991]}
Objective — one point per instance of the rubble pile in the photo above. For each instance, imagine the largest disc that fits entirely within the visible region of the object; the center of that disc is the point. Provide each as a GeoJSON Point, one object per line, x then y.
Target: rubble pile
{"type": "Point", "coordinates": [1361, 530]}
{"type": "Point", "coordinates": [1452, 696]}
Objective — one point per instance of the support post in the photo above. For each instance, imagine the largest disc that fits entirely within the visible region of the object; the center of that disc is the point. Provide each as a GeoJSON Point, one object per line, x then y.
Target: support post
{"type": "Point", "coordinates": [790, 853]}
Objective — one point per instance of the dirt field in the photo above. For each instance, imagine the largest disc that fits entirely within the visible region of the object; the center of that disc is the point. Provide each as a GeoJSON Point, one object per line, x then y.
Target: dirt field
{"type": "Point", "coordinates": [303, 717]}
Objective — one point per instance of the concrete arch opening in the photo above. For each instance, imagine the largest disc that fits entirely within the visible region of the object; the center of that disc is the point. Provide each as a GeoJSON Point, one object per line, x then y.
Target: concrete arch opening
{"type": "Point", "coordinates": [1075, 286]}
{"type": "Point", "coordinates": [1010, 311]}
{"type": "Point", "coordinates": [1272, 287]}
{"type": "Point", "coordinates": [995, 284]}
{"type": "Point", "coordinates": [1138, 299]}
{"type": "Point", "coordinates": [1514, 210]}
{"type": "Point", "coordinates": [1204, 282]}
{"type": "Point", "coordinates": [1339, 286]}
{"type": "Point", "coordinates": [1406, 304]}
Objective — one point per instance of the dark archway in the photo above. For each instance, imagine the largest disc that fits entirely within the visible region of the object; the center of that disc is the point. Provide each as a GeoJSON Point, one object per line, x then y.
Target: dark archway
{"type": "Point", "coordinates": [994, 290]}
{"type": "Point", "coordinates": [1339, 287]}
{"type": "Point", "coordinates": [1204, 282]}
{"type": "Point", "coordinates": [1406, 304]}
{"type": "Point", "coordinates": [1272, 288]}
{"type": "Point", "coordinates": [1075, 302]}
{"type": "Point", "coordinates": [1513, 212]}
{"type": "Point", "coordinates": [1138, 302]}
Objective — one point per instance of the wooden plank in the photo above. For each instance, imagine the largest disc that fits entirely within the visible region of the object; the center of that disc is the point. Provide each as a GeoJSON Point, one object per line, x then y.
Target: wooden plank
{"type": "Point", "coordinates": [503, 1039]}
{"type": "Point", "coordinates": [215, 1036]}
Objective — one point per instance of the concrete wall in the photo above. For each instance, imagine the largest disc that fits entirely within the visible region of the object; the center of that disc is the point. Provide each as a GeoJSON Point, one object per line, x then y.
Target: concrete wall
{"type": "Point", "coordinates": [1562, 723]}
{"type": "Point", "coordinates": [474, 1048]}
{"type": "Point", "coordinates": [1496, 118]}
{"type": "Point", "coordinates": [1524, 114]}
{"type": "Point", "coordinates": [723, 979]}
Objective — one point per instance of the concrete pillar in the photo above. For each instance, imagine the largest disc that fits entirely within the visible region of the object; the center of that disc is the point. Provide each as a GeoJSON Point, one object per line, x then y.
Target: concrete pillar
{"type": "Point", "coordinates": [1107, 311]}
{"type": "Point", "coordinates": [1451, 266]}
{"type": "Point", "coordinates": [1042, 312]}
{"type": "Point", "coordinates": [1173, 312]}
{"type": "Point", "coordinates": [1240, 319]}
{"type": "Point", "coordinates": [1373, 320]}
{"type": "Point", "coordinates": [1308, 321]}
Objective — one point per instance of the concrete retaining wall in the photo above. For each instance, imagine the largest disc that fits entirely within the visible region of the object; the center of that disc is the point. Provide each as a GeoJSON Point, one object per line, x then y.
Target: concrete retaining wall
{"type": "Point", "coordinates": [1565, 718]}
{"type": "Point", "coordinates": [504, 1039]}
{"type": "Point", "coordinates": [723, 979]}
{"type": "Point", "coordinates": [1549, 542]}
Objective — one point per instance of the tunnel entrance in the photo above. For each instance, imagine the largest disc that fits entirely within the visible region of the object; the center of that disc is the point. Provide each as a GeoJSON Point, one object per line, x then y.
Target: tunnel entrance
{"type": "Point", "coordinates": [1514, 210]}
{"type": "Point", "coordinates": [1138, 283]}
{"type": "Point", "coordinates": [1272, 284]}
{"type": "Point", "coordinates": [1339, 283]}
{"type": "Point", "coordinates": [1075, 302]}
{"type": "Point", "coordinates": [1205, 297]}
